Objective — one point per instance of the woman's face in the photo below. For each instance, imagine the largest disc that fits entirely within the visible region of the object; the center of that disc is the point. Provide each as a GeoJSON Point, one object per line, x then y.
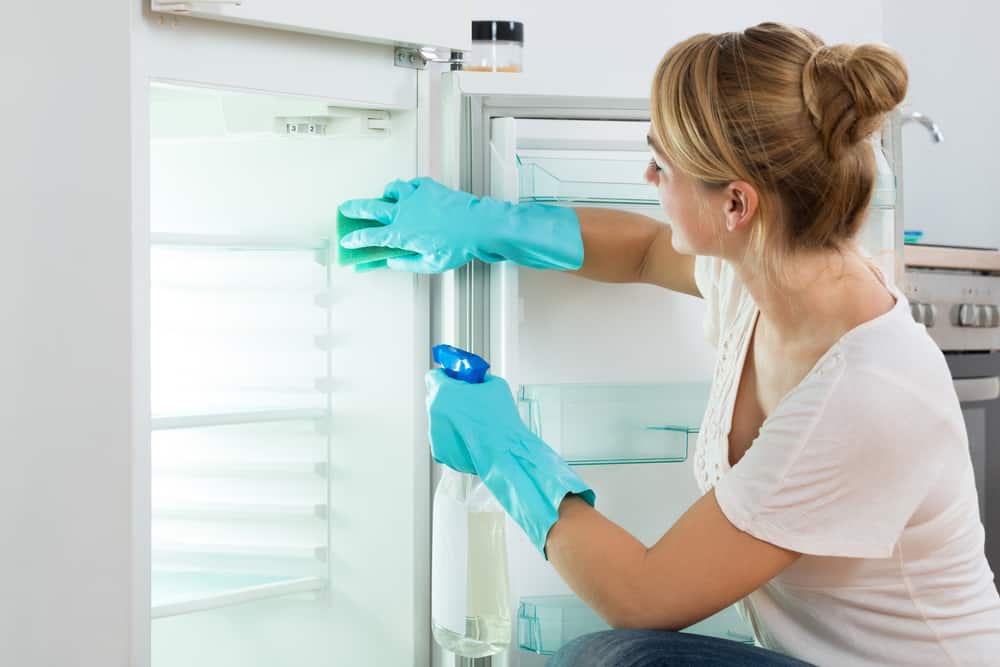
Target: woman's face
{"type": "Point", "coordinates": [692, 213]}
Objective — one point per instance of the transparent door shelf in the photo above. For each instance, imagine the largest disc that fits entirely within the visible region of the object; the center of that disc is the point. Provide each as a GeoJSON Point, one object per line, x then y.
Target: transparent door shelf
{"type": "Point", "coordinates": [181, 592]}
{"type": "Point", "coordinates": [601, 424]}
{"type": "Point", "coordinates": [166, 422]}
{"type": "Point", "coordinates": [238, 243]}
{"type": "Point", "coordinates": [545, 623]}
{"type": "Point", "coordinates": [585, 177]}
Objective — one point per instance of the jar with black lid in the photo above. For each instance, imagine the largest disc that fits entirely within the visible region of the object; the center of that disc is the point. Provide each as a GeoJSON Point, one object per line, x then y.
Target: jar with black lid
{"type": "Point", "coordinates": [496, 47]}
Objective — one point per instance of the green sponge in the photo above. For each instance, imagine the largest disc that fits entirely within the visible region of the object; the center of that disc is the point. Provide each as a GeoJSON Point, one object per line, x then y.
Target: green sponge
{"type": "Point", "coordinates": [367, 258]}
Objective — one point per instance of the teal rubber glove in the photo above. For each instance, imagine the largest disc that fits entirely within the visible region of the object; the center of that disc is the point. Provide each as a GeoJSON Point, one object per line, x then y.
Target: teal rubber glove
{"type": "Point", "coordinates": [447, 228]}
{"type": "Point", "coordinates": [475, 428]}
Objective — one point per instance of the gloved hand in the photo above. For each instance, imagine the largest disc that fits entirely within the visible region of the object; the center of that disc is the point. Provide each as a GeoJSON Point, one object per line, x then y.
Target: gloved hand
{"type": "Point", "coordinates": [447, 228]}
{"type": "Point", "coordinates": [475, 428]}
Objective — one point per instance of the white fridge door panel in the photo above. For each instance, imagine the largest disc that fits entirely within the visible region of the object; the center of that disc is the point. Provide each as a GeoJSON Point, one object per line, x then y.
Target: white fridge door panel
{"type": "Point", "coordinates": [438, 23]}
{"type": "Point", "coordinates": [227, 55]}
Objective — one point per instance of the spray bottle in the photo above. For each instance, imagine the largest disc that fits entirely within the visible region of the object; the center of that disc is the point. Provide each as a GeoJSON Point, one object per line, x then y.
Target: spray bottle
{"type": "Point", "coordinates": [470, 598]}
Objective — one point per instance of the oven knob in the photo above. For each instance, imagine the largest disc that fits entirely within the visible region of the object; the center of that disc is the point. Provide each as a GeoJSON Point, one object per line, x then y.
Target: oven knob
{"type": "Point", "coordinates": [968, 315]}
{"type": "Point", "coordinates": [930, 314]}
{"type": "Point", "coordinates": [923, 313]}
{"type": "Point", "coordinates": [983, 316]}
{"type": "Point", "coordinates": [992, 316]}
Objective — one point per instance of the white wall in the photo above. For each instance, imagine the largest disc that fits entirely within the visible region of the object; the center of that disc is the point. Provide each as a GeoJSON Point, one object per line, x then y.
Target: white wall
{"type": "Point", "coordinates": [950, 49]}
{"type": "Point", "coordinates": [571, 49]}
{"type": "Point", "coordinates": [65, 324]}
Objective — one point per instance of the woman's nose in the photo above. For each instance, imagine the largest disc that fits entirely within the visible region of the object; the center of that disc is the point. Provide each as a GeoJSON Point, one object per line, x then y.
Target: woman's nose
{"type": "Point", "coordinates": [651, 176]}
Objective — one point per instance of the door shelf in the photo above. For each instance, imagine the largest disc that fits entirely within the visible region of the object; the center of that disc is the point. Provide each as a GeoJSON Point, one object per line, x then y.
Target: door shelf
{"type": "Point", "coordinates": [545, 623]}
{"type": "Point", "coordinates": [253, 511]}
{"type": "Point", "coordinates": [169, 422]}
{"type": "Point", "coordinates": [230, 468]}
{"type": "Point", "coordinates": [585, 178]}
{"type": "Point", "coordinates": [608, 424]}
{"type": "Point", "coordinates": [243, 552]}
{"type": "Point", "coordinates": [237, 242]}
{"type": "Point", "coordinates": [182, 592]}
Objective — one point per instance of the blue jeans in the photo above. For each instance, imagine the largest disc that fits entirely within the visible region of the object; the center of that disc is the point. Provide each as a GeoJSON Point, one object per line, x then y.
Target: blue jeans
{"type": "Point", "coordinates": [653, 648]}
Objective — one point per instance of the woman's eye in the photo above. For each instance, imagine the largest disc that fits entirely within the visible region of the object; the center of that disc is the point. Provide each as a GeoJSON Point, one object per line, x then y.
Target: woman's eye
{"type": "Point", "coordinates": [653, 165]}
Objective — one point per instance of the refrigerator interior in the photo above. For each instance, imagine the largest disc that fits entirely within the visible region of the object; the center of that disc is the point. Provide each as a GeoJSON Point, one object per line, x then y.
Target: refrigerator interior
{"type": "Point", "coordinates": [257, 343]}
{"type": "Point", "coordinates": [613, 376]}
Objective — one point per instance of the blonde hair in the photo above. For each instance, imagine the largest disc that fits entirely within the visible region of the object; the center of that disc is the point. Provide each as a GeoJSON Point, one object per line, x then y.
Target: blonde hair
{"type": "Point", "coordinates": [777, 108]}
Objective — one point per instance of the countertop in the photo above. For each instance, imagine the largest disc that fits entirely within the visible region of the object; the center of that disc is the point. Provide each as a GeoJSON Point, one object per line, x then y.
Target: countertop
{"type": "Point", "coordinates": [944, 257]}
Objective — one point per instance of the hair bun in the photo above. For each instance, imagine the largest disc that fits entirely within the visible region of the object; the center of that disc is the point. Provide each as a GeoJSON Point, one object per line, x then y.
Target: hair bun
{"type": "Point", "coordinates": [849, 89]}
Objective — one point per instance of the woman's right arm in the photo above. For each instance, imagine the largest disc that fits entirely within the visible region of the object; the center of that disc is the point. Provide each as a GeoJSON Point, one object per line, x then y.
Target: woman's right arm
{"type": "Point", "coordinates": [624, 247]}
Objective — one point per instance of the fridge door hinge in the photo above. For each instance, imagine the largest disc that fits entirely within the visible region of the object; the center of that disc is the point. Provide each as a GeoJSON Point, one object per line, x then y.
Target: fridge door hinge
{"type": "Point", "coordinates": [188, 6]}
{"type": "Point", "coordinates": [409, 58]}
{"type": "Point", "coordinates": [418, 58]}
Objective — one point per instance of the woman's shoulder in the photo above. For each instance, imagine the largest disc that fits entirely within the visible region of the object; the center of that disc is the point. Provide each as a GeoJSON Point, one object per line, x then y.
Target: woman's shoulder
{"type": "Point", "coordinates": [883, 382]}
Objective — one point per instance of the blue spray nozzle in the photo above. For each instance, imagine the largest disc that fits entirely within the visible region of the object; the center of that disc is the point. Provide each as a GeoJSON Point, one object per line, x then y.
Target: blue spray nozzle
{"type": "Point", "coordinates": [459, 364]}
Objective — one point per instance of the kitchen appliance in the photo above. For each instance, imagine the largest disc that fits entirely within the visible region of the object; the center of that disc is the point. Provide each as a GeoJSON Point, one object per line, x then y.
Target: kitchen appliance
{"type": "Point", "coordinates": [256, 439]}
{"type": "Point", "coordinates": [955, 293]}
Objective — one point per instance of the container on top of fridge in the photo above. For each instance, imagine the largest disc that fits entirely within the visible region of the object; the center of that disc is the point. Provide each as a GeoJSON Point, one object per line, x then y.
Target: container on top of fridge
{"type": "Point", "coordinates": [497, 46]}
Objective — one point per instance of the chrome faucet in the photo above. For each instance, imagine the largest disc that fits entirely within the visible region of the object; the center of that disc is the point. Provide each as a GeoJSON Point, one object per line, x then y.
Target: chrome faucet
{"type": "Point", "coordinates": [927, 122]}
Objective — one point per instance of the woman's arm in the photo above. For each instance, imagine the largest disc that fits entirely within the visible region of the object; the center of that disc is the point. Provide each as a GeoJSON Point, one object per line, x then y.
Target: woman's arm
{"type": "Point", "coordinates": [624, 247]}
{"type": "Point", "coordinates": [701, 565]}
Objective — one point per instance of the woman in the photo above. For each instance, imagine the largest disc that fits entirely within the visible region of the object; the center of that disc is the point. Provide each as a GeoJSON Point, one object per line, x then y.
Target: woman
{"type": "Point", "coordinates": [839, 499]}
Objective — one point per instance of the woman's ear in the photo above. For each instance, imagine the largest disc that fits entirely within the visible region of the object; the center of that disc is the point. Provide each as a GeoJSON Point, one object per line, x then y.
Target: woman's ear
{"type": "Point", "coordinates": [740, 202]}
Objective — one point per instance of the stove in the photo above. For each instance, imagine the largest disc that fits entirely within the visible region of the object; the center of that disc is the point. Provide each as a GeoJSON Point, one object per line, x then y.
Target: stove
{"type": "Point", "coordinates": [955, 293]}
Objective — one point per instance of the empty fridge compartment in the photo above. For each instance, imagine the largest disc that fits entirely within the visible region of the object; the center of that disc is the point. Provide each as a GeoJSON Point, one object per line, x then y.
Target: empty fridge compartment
{"type": "Point", "coordinates": [597, 424]}
{"type": "Point", "coordinates": [238, 325]}
{"type": "Point", "coordinates": [545, 623]}
{"type": "Point", "coordinates": [585, 176]}
{"type": "Point", "coordinates": [239, 511]}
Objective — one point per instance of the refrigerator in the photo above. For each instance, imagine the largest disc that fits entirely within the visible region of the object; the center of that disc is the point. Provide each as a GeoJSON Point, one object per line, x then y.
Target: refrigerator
{"type": "Point", "coordinates": [285, 393]}
{"type": "Point", "coordinates": [280, 473]}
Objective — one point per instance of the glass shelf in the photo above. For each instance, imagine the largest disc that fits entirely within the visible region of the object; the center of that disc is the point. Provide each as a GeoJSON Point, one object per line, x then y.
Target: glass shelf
{"type": "Point", "coordinates": [182, 592]}
{"type": "Point", "coordinates": [545, 623]}
{"type": "Point", "coordinates": [255, 511]}
{"type": "Point", "coordinates": [238, 243]}
{"type": "Point", "coordinates": [586, 176]}
{"type": "Point", "coordinates": [603, 424]}
{"type": "Point", "coordinates": [169, 422]}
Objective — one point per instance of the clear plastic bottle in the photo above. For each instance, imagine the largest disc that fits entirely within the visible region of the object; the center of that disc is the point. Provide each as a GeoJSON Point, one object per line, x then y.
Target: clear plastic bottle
{"type": "Point", "coordinates": [471, 606]}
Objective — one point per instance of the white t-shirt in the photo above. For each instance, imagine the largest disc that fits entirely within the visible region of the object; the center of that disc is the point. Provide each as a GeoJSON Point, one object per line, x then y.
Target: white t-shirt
{"type": "Point", "coordinates": [864, 468]}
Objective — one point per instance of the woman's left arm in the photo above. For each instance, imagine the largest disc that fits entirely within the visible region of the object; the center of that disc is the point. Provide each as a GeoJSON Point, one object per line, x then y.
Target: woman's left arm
{"type": "Point", "coordinates": [701, 565]}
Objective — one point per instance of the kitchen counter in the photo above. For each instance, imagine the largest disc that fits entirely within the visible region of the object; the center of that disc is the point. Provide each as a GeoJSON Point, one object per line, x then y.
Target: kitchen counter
{"type": "Point", "coordinates": [943, 257]}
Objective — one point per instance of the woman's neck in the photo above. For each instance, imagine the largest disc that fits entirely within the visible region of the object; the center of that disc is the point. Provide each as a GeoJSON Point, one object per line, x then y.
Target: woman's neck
{"type": "Point", "coordinates": [816, 295]}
